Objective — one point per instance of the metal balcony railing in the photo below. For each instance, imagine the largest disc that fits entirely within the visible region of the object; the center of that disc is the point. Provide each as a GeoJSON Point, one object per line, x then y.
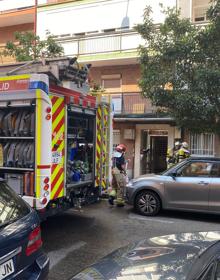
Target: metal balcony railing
{"type": "Point", "coordinates": [100, 43]}
{"type": "Point", "coordinates": [131, 104]}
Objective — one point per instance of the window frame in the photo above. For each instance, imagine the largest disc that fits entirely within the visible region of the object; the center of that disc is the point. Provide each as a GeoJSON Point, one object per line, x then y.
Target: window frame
{"type": "Point", "coordinates": [179, 170]}
{"type": "Point", "coordinates": [198, 140]}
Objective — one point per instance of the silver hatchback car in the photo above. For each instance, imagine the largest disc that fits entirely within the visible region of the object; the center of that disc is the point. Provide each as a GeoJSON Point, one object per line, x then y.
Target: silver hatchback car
{"type": "Point", "coordinates": [192, 185]}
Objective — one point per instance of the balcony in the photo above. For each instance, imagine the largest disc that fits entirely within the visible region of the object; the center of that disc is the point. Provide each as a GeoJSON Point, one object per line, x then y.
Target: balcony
{"type": "Point", "coordinates": [131, 103]}
{"type": "Point", "coordinates": [102, 48]}
{"type": "Point", "coordinates": [132, 107]}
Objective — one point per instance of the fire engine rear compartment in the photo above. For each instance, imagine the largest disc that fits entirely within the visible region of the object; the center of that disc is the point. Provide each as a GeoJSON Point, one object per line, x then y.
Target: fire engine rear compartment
{"type": "Point", "coordinates": [80, 162]}
{"type": "Point", "coordinates": [18, 141]}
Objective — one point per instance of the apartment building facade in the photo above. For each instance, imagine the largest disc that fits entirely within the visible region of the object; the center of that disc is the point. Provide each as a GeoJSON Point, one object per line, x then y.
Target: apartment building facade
{"type": "Point", "coordinates": [101, 32]}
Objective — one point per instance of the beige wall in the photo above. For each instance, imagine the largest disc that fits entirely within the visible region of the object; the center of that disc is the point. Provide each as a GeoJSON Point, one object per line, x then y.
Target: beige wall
{"type": "Point", "coordinates": [130, 144]}
{"type": "Point", "coordinates": [133, 146]}
{"type": "Point", "coordinates": [172, 132]}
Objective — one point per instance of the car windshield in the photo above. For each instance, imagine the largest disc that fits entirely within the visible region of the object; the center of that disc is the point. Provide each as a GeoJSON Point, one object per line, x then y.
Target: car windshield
{"type": "Point", "coordinates": [12, 207]}
{"type": "Point", "coordinates": [167, 171]}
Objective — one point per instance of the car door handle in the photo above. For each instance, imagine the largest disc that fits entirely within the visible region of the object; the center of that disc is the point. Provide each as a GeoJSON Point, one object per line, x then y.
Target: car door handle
{"type": "Point", "coordinates": [203, 183]}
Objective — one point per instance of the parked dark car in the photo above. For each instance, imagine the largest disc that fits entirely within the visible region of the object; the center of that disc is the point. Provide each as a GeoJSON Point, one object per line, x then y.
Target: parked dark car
{"type": "Point", "coordinates": [21, 255]}
{"type": "Point", "coordinates": [184, 256]}
{"type": "Point", "coordinates": [192, 185]}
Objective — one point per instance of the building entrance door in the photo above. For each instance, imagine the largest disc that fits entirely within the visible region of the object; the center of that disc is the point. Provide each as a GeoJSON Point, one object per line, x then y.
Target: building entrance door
{"type": "Point", "coordinates": [158, 150]}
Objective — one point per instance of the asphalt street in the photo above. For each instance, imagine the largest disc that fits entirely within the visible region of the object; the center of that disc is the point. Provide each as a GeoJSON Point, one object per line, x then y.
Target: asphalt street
{"type": "Point", "coordinates": [77, 238]}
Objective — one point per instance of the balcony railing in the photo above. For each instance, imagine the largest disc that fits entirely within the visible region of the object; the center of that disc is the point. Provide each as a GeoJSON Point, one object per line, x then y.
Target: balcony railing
{"type": "Point", "coordinates": [100, 43]}
{"type": "Point", "coordinates": [131, 104]}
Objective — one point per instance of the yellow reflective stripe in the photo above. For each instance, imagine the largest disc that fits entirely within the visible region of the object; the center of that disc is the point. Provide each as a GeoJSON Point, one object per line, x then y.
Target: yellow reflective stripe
{"type": "Point", "coordinates": [57, 138]}
{"type": "Point", "coordinates": [98, 149]}
{"type": "Point", "coordinates": [58, 135]}
{"type": "Point", "coordinates": [17, 77]}
{"type": "Point", "coordinates": [55, 172]}
{"type": "Point", "coordinates": [38, 140]}
{"type": "Point", "coordinates": [57, 184]}
{"type": "Point", "coordinates": [61, 147]}
{"type": "Point", "coordinates": [56, 105]}
{"type": "Point", "coordinates": [58, 119]}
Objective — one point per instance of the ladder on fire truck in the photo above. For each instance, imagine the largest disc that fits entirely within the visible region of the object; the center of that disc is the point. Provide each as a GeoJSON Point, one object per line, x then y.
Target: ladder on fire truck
{"type": "Point", "coordinates": [62, 70]}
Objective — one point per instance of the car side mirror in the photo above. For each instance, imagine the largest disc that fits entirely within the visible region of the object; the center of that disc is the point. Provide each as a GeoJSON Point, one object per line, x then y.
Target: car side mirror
{"type": "Point", "coordinates": [173, 175]}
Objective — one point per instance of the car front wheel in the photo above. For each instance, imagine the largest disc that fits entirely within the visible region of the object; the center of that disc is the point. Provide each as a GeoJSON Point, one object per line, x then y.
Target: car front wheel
{"type": "Point", "coordinates": [147, 203]}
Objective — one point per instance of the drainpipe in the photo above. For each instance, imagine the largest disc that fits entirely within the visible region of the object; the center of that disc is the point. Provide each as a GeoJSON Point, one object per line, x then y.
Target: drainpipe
{"type": "Point", "coordinates": [35, 18]}
{"type": "Point", "coordinates": [35, 26]}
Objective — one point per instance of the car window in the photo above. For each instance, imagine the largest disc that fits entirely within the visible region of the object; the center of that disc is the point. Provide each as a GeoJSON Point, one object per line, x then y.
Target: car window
{"type": "Point", "coordinates": [12, 207]}
{"type": "Point", "coordinates": [196, 169]}
{"type": "Point", "coordinates": [217, 272]}
{"type": "Point", "coordinates": [207, 274]}
{"type": "Point", "coordinates": [215, 172]}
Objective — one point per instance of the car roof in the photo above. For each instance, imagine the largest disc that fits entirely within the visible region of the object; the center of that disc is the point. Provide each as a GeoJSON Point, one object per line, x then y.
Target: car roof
{"type": "Point", "coordinates": [203, 158]}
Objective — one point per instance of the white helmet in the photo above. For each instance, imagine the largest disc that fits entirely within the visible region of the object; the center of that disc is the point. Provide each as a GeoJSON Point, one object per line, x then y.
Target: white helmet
{"type": "Point", "coordinates": [177, 143]}
{"type": "Point", "coordinates": [185, 145]}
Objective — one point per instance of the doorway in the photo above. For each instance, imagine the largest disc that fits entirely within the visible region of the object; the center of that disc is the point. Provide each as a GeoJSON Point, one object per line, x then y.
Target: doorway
{"type": "Point", "coordinates": [158, 151]}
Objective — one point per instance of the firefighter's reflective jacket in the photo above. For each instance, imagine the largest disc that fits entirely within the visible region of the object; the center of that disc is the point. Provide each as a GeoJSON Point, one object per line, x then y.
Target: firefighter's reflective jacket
{"type": "Point", "coordinates": [171, 157]}
{"type": "Point", "coordinates": [182, 154]}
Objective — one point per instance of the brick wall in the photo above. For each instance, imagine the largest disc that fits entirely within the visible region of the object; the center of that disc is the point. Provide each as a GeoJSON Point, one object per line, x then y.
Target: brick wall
{"type": "Point", "coordinates": [7, 32]}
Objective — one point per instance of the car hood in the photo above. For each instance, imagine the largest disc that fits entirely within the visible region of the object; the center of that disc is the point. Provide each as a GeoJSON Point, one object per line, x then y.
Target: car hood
{"type": "Point", "coordinates": [164, 257]}
{"type": "Point", "coordinates": [145, 177]}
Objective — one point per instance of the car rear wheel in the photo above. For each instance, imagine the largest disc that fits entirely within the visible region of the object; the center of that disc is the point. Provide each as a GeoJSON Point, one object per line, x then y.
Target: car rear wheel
{"type": "Point", "coordinates": [147, 203]}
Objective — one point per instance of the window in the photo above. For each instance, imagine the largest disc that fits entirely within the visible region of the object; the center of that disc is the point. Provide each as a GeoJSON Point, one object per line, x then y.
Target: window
{"type": "Point", "coordinates": [207, 274]}
{"type": "Point", "coordinates": [202, 144]}
{"type": "Point", "coordinates": [215, 172]}
{"type": "Point", "coordinates": [200, 13]}
{"type": "Point", "coordinates": [112, 83]}
{"type": "Point", "coordinates": [117, 103]}
{"type": "Point", "coordinates": [196, 169]}
{"type": "Point", "coordinates": [116, 137]}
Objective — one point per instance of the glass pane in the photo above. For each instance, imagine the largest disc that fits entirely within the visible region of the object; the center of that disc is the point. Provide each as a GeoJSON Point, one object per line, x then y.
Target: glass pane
{"type": "Point", "coordinates": [215, 172]}
{"type": "Point", "coordinates": [144, 152]}
{"type": "Point", "coordinates": [12, 207]}
{"type": "Point", "coordinates": [217, 272]}
{"type": "Point", "coordinates": [197, 169]}
{"type": "Point", "coordinates": [202, 144]}
{"type": "Point", "coordinates": [117, 104]}
{"type": "Point", "coordinates": [207, 275]}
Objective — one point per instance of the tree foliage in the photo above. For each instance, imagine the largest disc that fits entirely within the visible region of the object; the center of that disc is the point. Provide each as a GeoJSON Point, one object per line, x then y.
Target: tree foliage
{"type": "Point", "coordinates": [28, 46]}
{"type": "Point", "coordinates": [180, 64]}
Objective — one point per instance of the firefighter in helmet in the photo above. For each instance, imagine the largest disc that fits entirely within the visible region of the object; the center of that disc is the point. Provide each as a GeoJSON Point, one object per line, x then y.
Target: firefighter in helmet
{"type": "Point", "coordinates": [118, 176]}
{"type": "Point", "coordinates": [171, 157]}
{"type": "Point", "coordinates": [183, 152]}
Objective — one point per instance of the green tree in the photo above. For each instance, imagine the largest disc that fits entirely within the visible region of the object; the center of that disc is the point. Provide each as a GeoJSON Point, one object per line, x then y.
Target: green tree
{"type": "Point", "coordinates": [28, 46]}
{"type": "Point", "coordinates": [180, 66]}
